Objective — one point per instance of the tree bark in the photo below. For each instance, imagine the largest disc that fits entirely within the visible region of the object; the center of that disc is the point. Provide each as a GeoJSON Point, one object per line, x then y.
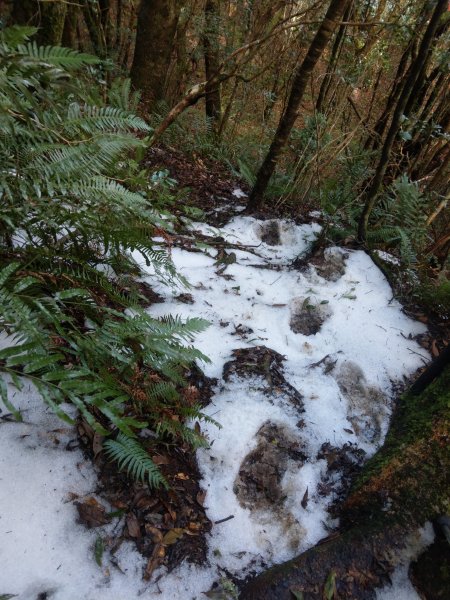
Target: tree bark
{"type": "Point", "coordinates": [53, 16]}
{"type": "Point", "coordinates": [408, 88]}
{"type": "Point", "coordinates": [301, 78]}
{"type": "Point", "coordinates": [156, 28]}
{"type": "Point", "coordinates": [404, 485]}
{"type": "Point", "coordinates": [213, 98]}
{"type": "Point", "coordinates": [48, 16]}
{"type": "Point", "coordinates": [334, 58]}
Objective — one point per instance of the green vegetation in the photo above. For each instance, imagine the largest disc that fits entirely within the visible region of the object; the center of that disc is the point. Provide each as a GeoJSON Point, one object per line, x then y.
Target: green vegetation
{"type": "Point", "coordinates": [75, 220]}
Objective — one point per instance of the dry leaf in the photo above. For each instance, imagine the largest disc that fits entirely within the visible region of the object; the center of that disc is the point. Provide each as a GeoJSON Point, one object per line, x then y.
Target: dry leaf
{"type": "Point", "coordinates": [201, 496]}
{"type": "Point", "coordinates": [155, 560]}
{"type": "Point", "coordinates": [133, 527]}
{"type": "Point", "coordinates": [91, 513]}
{"type": "Point", "coordinates": [173, 536]}
{"type": "Point", "coordinates": [161, 460]}
{"type": "Point", "coordinates": [154, 533]}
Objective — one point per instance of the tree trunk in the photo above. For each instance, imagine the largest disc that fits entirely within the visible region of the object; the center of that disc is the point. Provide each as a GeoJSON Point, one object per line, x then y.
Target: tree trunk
{"type": "Point", "coordinates": [156, 28]}
{"type": "Point", "coordinates": [301, 78]}
{"type": "Point", "coordinates": [408, 89]}
{"type": "Point", "coordinates": [404, 485]}
{"type": "Point", "coordinates": [213, 98]}
{"type": "Point", "coordinates": [53, 16]}
{"type": "Point", "coordinates": [48, 16]}
{"type": "Point", "coordinates": [334, 58]}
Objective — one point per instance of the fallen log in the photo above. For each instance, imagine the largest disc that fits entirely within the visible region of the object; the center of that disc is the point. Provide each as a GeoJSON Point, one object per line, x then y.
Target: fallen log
{"type": "Point", "coordinates": [405, 484]}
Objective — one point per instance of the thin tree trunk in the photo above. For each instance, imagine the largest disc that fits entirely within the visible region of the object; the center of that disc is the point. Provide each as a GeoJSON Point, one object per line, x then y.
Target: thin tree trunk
{"type": "Point", "coordinates": [408, 88]}
{"type": "Point", "coordinates": [321, 39]}
{"type": "Point", "coordinates": [334, 58]}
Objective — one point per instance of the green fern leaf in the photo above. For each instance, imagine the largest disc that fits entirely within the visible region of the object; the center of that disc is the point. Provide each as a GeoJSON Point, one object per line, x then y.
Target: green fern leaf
{"type": "Point", "coordinates": [131, 457]}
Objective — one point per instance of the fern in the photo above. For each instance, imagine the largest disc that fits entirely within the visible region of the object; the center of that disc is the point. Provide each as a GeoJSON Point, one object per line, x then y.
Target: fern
{"type": "Point", "coordinates": [69, 231]}
{"type": "Point", "coordinates": [131, 457]}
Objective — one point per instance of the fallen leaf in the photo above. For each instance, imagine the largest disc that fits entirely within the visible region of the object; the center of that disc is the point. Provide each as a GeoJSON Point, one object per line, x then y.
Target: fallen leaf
{"type": "Point", "coordinates": [97, 444]}
{"type": "Point", "coordinates": [434, 349]}
{"type": "Point", "coordinates": [133, 527]}
{"type": "Point", "coordinates": [155, 560]}
{"type": "Point", "coordinates": [161, 460]}
{"type": "Point", "coordinates": [173, 536]}
{"type": "Point", "coordinates": [91, 513]}
{"type": "Point", "coordinates": [201, 496]}
{"type": "Point", "coordinates": [182, 476]}
{"type": "Point", "coordinates": [154, 533]}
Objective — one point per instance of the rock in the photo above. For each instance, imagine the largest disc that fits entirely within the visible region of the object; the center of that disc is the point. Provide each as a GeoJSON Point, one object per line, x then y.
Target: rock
{"type": "Point", "coordinates": [308, 314]}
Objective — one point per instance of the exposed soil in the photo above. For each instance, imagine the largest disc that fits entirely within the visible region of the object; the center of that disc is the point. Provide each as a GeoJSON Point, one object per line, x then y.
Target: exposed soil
{"type": "Point", "coordinates": [308, 315]}
{"type": "Point", "coordinates": [266, 364]}
{"type": "Point", "coordinates": [258, 484]}
{"type": "Point", "coordinates": [207, 184]}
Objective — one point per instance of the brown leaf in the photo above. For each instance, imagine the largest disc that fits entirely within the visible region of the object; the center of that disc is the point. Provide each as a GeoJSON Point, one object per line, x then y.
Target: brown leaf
{"type": "Point", "coordinates": [143, 501]}
{"type": "Point", "coordinates": [172, 536]}
{"type": "Point", "coordinates": [154, 533]}
{"type": "Point", "coordinates": [161, 460]}
{"type": "Point", "coordinates": [434, 349]}
{"type": "Point", "coordinates": [201, 496]}
{"type": "Point", "coordinates": [97, 444]}
{"type": "Point", "coordinates": [133, 527]}
{"type": "Point", "coordinates": [91, 513]}
{"type": "Point", "coordinates": [182, 476]}
{"type": "Point", "coordinates": [155, 560]}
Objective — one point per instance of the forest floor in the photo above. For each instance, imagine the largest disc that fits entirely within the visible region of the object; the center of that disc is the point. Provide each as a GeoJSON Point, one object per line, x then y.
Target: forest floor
{"type": "Point", "coordinates": [306, 358]}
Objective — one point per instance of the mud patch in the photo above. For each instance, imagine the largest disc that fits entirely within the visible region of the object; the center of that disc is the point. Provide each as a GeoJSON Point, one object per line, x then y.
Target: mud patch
{"type": "Point", "coordinates": [269, 233]}
{"type": "Point", "coordinates": [267, 365]}
{"type": "Point", "coordinates": [330, 264]}
{"type": "Point", "coordinates": [367, 407]}
{"type": "Point", "coordinates": [258, 484]}
{"type": "Point", "coordinates": [343, 464]}
{"type": "Point", "coordinates": [308, 315]}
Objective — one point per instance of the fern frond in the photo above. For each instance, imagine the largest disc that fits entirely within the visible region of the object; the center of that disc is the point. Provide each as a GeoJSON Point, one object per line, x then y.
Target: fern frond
{"type": "Point", "coordinates": [132, 457]}
{"type": "Point", "coordinates": [60, 57]}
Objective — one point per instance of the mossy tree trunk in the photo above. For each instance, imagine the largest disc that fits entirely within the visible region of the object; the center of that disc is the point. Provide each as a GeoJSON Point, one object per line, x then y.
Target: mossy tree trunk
{"type": "Point", "coordinates": [48, 16]}
{"type": "Point", "coordinates": [404, 485]}
{"type": "Point", "coordinates": [213, 97]}
{"type": "Point", "coordinates": [155, 35]}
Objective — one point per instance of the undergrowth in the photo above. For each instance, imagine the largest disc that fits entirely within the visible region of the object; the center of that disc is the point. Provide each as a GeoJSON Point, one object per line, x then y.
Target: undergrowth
{"type": "Point", "coordinates": [77, 218]}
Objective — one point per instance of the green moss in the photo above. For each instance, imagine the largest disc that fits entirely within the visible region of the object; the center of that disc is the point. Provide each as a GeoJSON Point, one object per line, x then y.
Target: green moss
{"type": "Point", "coordinates": [413, 420]}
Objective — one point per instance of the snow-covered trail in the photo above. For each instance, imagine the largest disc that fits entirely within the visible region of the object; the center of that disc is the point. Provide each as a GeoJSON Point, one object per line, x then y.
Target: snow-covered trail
{"type": "Point", "coordinates": [345, 341]}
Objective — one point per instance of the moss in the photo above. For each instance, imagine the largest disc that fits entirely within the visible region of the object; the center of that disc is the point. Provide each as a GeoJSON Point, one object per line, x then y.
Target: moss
{"type": "Point", "coordinates": [407, 480]}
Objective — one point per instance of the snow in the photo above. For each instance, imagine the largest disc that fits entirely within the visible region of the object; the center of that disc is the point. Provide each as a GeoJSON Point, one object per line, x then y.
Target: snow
{"type": "Point", "coordinates": [249, 302]}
